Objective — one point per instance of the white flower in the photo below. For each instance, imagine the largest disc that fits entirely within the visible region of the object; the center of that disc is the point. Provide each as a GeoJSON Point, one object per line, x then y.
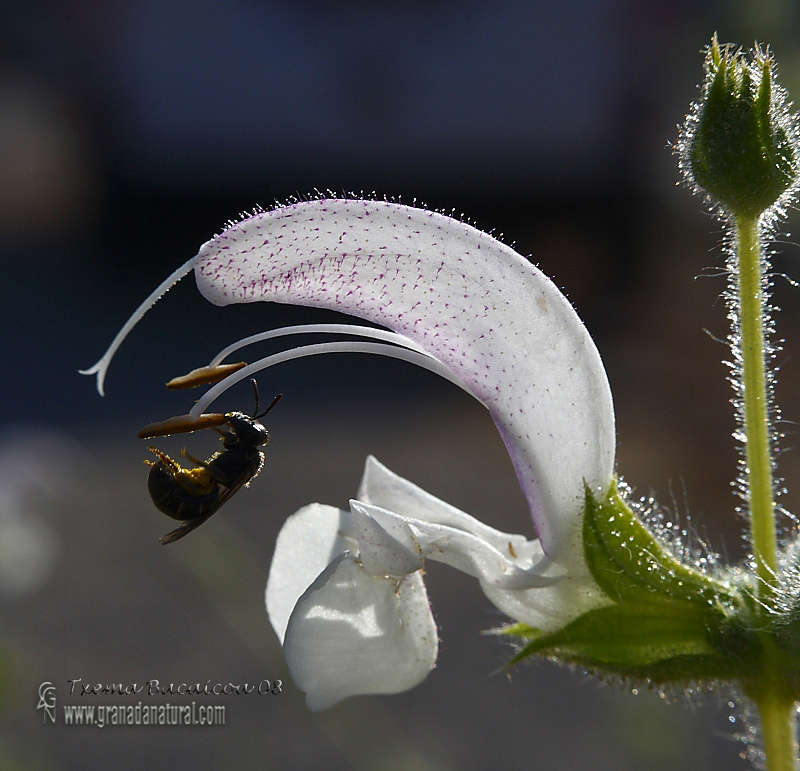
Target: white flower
{"type": "Point", "coordinates": [345, 592]}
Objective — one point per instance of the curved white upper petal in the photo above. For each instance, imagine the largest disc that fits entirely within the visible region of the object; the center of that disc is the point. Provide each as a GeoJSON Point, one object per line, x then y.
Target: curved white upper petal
{"type": "Point", "coordinates": [476, 305]}
{"type": "Point", "coordinates": [354, 633]}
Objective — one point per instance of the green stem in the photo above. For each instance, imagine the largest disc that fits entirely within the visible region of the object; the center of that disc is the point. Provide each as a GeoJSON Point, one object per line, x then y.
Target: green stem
{"type": "Point", "coordinates": [778, 731]}
{"type": "Point", "coordinates": [756, 404]}
{"type": "Point", "coordinates": [776, 708]}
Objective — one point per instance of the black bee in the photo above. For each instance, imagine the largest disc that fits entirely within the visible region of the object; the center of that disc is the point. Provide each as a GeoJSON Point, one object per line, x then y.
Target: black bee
{"type": "Point", "coordinates": [192, 495]}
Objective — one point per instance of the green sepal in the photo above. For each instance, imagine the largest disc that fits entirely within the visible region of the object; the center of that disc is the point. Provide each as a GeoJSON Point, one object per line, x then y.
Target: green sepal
{"type": "Point", "coordinates": [739, 149]}
{"type": "Point", "coordinates": [662, 641]}
{"type": "Point", "coordinates": [630, 565]}
{"type": "Point", "coordinates": [665, 621]}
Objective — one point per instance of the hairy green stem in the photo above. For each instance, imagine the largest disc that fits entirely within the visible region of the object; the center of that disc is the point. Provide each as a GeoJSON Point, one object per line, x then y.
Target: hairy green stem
{"type": "Point", "coordinates": [776, 708]}
{"type": "Point", "coordinates": [756, 404]}
{"type": "Point", "coordinates": [778, 731]}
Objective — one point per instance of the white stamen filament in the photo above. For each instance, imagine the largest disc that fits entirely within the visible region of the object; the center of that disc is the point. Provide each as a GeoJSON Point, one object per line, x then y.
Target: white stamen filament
{"type": "Point", "coordinates": [300, 329]}
{"type": "Point", "coordinates": [403, 348]}
{"type": "Point", "coordinates": [404, 354]}
{"type": "Point", "coordinates": [101, 366]}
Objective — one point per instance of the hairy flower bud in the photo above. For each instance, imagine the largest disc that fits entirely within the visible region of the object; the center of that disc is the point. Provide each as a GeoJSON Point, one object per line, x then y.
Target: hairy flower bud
{"type": "Point", "coordinates": [739, 144]}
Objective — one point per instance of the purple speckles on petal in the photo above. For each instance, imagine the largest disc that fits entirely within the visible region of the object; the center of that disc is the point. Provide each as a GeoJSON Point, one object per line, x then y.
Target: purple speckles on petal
{"type": "Point", "coordinates": [517, 342]}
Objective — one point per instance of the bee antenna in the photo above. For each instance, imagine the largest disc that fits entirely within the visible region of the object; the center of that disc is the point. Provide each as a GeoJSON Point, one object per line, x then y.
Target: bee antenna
{"type": "Point", "coordinates": [271, 405]}
{"type": "Point", "coordinates": [258, 401]}
{"type": "Point", "coordinates": [258, 415]}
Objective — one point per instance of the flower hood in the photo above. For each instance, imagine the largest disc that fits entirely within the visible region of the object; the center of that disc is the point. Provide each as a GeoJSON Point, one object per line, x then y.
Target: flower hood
{"type": "Point", "coordinates": [483, 311]}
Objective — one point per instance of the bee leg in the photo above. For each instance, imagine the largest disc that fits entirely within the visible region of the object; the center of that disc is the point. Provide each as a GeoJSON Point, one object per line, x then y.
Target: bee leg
{"type": "Point", "coordinates": [196, 461]}
{"type": "Point", "coordinates": [165, 459]}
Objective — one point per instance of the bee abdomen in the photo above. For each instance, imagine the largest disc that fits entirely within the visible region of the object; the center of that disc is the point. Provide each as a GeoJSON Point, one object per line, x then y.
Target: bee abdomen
{"type": "Point", "coordinates": [173, 500]}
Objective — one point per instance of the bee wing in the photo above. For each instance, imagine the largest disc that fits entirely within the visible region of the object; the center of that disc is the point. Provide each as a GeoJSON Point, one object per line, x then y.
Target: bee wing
{"type": "Point", "coordinates": [184, 529]}
{"type": "Point", "coordinates": [192, 524]}
{"type": "Point", "coordinates": [229, 492]}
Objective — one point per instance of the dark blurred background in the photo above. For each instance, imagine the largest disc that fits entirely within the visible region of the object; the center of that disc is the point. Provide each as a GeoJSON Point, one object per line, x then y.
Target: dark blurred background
{"type": "Point", "coordinates": [130, 132]}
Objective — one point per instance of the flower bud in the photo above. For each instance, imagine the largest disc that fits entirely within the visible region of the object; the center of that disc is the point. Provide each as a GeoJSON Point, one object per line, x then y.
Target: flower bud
{"type": "Point", "coordinates": [739, 143]}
